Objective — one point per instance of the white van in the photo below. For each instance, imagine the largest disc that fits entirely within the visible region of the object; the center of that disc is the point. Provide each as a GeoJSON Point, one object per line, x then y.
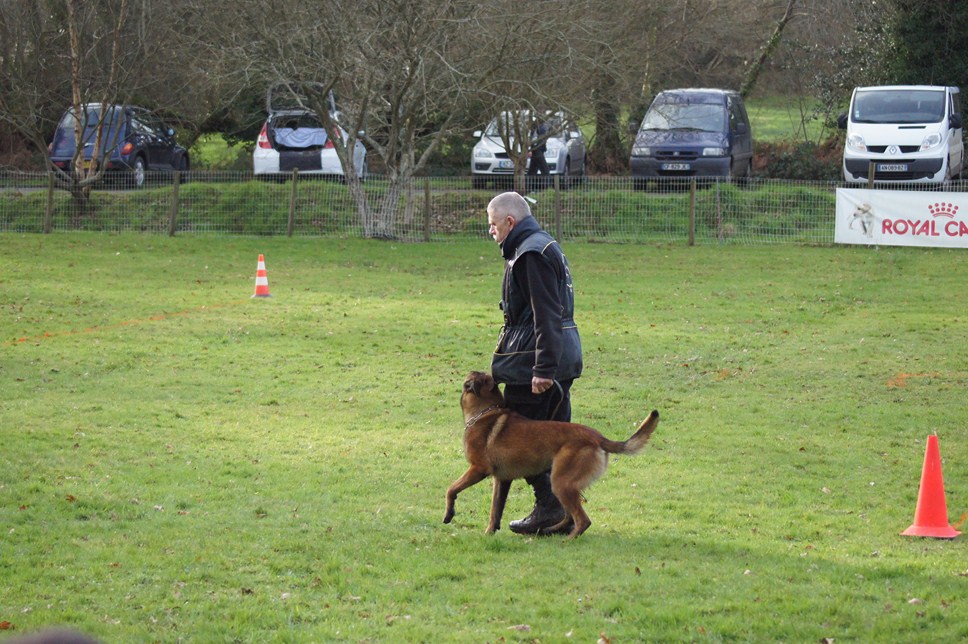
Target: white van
{"type": "Point", "coordinates": [910, 133]}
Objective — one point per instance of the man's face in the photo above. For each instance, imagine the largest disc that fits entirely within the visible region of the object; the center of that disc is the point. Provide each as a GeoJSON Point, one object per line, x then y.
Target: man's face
{"type": "Point", "coordinates": [499, 227]}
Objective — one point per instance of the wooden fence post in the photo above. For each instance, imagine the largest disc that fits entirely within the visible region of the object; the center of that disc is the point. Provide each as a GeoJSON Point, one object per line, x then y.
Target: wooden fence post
{"type": "Point", "coordinates": [292, 203]}
{"type": "Point", "coordinates": [49, 210]}
{"type": "Point", "coordinates": [558, 230]}
{"type": "Point", "coordinates": [173, 217]}
{"type": "Point", "coordinates": [692, 212]}
{"type": "Point", "coordinates": [427, 209]}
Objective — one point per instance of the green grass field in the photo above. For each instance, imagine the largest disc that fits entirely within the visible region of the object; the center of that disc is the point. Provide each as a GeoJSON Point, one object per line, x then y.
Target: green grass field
{"type": "Point", "coordinates": [184, 463]}
{"type": "Point", "coordinates": [780, 118]}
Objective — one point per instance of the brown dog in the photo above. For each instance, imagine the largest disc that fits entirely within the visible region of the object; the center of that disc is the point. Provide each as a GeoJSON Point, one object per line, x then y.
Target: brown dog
{"type": "Point", "coordinates": [501, 443]}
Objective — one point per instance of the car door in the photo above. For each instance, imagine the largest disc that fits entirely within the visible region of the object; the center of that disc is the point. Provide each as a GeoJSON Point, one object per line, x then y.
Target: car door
{"type": "Point", "coordinates": [153, 142]}
{"type": "Point", "coordinates": [741, 138]}
{"type": "Point", "coordinates": [576, 146]}
{"type": "Point", "coordinates": [956, 146]}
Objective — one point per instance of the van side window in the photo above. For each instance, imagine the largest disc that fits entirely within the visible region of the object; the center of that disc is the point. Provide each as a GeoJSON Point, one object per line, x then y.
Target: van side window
{"type": "Point", "coordinates": [735, 118]}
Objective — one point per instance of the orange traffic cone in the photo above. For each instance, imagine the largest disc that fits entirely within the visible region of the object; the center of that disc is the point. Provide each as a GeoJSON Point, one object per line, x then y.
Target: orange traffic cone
{"type": "Point", "coordinates": [931, 515]}
{"type": "Point", "coordinates": [261, 279]}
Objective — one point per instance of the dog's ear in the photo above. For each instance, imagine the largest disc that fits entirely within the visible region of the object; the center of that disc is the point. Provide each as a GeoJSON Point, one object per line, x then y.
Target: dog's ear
{"type": "Point", "coordinates": [490, 383]}
{"type": "Point", "coordinates": [473, 382]}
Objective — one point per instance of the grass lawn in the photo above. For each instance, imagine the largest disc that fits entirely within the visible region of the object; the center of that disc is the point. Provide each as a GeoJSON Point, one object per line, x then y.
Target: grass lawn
{"type": "Point", "coordinates": [786, 118]}
{"type": "Point", "coordinates": [184, 463]}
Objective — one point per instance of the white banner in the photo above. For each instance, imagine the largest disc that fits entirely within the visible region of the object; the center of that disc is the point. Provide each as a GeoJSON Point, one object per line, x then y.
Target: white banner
{"type": "Point", "coordinates": [902, 218]}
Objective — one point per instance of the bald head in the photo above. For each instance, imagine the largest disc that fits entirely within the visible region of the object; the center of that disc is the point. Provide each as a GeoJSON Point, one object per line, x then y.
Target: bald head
{"type": "Point", "coordinates": [503, 212]}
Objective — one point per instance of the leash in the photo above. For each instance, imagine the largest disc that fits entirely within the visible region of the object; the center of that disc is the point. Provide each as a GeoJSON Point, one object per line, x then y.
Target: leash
{"type": "Point", "coordinates": [476, 417]}
{"type": "Point", "coordinates": [561, 399]}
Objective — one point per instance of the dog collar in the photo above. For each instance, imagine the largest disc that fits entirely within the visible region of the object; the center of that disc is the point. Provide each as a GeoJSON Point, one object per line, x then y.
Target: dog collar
{"type": "Point", "coordinates": [477, 416]}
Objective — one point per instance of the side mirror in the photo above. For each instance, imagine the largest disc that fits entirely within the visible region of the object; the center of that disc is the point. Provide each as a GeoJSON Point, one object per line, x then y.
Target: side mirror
{"type": "Point", "coordinates": [956, 121]}
{"type": "Point", "coordinates": [842, 121]}
{"type": "Point", "coordinates": [477, 134]}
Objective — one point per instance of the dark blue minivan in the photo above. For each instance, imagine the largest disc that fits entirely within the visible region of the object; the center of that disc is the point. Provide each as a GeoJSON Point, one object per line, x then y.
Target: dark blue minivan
{"type": "Point", "coordinates": [134, 141]}
{"type": "Point", "coordinates": [694, 133]}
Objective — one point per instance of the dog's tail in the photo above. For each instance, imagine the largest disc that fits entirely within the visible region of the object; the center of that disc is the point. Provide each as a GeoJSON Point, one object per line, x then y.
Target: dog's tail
{"type": "Point", "coordinates": [637, 441]}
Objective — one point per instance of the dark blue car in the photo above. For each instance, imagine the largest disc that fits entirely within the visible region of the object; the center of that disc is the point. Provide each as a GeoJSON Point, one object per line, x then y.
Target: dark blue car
{"type": "Point", "coordinates": [134, 141]}
{"type": "Point", "coordinates": [694, 133]}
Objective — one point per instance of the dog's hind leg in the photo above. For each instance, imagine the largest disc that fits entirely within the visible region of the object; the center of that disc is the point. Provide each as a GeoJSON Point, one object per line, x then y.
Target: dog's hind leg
{"type": "Point", "coordinates": [572, 472]}
{"type": "Point", "coordinates": [500, 497]}
{"type": "Point", "coordinates": [570, 498]}
{"type": "Point", "coordinates": [471, 477]}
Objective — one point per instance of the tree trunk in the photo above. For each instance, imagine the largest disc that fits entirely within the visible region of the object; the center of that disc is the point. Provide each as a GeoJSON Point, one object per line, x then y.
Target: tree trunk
{"type": "Point", "coordinates": [754, 73]}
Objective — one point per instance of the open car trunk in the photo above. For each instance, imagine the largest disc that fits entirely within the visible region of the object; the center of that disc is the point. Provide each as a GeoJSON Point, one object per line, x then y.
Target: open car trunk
{"type": "Point", "coordinates": [299, 140]}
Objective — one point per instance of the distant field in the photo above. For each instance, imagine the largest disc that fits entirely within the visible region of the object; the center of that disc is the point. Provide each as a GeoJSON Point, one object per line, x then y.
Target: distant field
{"type": "Point", "coordinates": [778, 118]}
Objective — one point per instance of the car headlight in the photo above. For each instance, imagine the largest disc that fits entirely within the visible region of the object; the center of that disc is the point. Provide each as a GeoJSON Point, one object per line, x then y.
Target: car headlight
{"type": "Point", "coordinates": [856, 143]}
{"type": "Point", "coordinates": [641, 150]}
{"type": "Point", "coordinates": [713, 152]}
{"type": "Point", "coordinates": [483, 153]}
{"type": "Point", "coordinates": [551, 151]}
{"type": "Point", "coordinates": [931, 141]}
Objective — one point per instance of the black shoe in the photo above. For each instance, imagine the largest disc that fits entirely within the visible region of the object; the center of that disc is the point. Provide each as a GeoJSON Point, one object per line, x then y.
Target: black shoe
{"type": "Point", "coordinates": [541, 518]}
{"type": "Point", "coordinates": [547, 510]}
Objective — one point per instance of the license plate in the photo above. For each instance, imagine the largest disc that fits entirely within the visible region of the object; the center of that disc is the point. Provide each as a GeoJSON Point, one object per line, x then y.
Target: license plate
{"type": "Point", "coordinates": [892, 167]}
{"type": "Point", "coordinates": [505, 163]}
{"type": "Point", "coordinates": [675, 166]}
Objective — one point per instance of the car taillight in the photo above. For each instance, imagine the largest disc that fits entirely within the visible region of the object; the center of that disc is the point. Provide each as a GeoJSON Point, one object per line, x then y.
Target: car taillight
{"type": "Point", "coordinates": [329, 140]}
{"type": "Point", "coordinates": [263, 141]}
{"type": "Point", "coordinates": [127, 149]}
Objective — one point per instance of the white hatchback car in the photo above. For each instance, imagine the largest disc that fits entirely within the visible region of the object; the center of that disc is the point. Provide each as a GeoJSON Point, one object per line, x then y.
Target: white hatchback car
{"type": "Point", "coordinates": [564, 153]}
{"type": "Point", "coordinates": [293, 138]}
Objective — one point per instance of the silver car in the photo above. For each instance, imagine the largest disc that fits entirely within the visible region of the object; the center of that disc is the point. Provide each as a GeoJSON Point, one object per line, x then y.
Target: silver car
{"type": "Point", "coordinates": [564, 153]}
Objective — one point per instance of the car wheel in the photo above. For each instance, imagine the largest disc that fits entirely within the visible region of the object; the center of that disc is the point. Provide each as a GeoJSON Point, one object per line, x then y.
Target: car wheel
{"type": "Point", "coordinates": [138, 173]}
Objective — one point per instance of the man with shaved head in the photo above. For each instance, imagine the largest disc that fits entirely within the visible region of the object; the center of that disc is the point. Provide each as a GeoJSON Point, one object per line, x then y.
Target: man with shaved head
{"type": "Point", "coordinates": [538, 353]}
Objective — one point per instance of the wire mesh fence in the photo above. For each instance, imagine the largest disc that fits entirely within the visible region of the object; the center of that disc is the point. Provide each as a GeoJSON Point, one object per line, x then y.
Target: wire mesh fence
{"type": "Point", "coordinates": [601, 209]}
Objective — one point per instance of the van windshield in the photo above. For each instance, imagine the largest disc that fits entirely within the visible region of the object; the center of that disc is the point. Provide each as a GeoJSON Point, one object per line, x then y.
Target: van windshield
{"type": "Point", "coordinates": [685, 117]}
{"type": "Point", "coordinates": [899, 106]}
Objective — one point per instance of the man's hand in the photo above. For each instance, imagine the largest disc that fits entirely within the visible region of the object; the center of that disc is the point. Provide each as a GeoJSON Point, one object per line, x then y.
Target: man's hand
{"type": "Point", "coordinates": [540, 385]}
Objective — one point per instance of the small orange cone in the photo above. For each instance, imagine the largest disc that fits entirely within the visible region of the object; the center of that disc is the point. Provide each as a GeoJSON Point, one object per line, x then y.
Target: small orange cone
{"type": "Point", "coordinates": [931, 515]}
{"type": "Point", "coordinates": [261, 279]}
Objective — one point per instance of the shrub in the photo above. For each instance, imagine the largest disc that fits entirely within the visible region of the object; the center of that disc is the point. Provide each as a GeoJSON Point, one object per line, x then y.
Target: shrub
{"type": "Point", "coordinates": [799, 160]}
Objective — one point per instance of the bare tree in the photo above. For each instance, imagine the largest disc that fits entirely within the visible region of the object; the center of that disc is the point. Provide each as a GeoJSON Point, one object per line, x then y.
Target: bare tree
{"type": "Point", "coordinates": [41, 79]}
{"type": "Point", "coordinates": [753, 73]}
{"type": "Point", "coordinates": [406, 74]}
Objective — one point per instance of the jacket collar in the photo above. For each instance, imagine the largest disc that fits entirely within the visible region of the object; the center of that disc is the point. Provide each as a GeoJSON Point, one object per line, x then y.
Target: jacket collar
{"type": "Point", "coordinates": [521, 231]}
